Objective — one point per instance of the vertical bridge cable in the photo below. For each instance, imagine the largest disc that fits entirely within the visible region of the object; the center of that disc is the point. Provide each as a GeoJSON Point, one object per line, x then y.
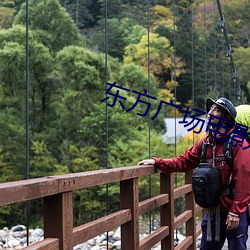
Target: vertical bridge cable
{"type": "Point", "coordinates": [27, 113]}
{"type": "Point", "coordinates": [192, 74]}
{"type": "Point", "coordinates": [222, 68]}
{"type": "Point", "coordinates": [215, 52]}
{"type": "Point", "coordinates": [205, 52]}
{"type": "Point", "coordinates": [106, 76]}
{"type": "Point", "coordinates": [229, 54]}
{"type": "Point", "coordinates": [174, 73]}
{"type": "Point", "coordinates": [149, 153]}
{"type": "Point", "coordinates": [175, 94]}
{"type": "Point", "coordinates": [77, 13]}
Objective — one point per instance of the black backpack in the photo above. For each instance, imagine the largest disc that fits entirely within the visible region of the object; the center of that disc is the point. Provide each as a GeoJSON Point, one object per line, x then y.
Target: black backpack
{"type": "Point", "coordinates": [206, 179]}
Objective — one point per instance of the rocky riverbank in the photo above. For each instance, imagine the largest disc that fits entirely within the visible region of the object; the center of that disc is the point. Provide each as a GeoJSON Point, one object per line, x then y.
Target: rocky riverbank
{"type": "Point", "coordinates": [16, 238]}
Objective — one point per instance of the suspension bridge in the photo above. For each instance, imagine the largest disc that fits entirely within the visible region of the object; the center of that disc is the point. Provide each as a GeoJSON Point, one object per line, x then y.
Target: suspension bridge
{"type": "Point", "coordinates": [56, 192]}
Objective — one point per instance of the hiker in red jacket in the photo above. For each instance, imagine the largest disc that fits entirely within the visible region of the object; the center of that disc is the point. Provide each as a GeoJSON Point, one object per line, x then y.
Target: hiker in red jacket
{"type": "Point", "coordinates": [233, 209]}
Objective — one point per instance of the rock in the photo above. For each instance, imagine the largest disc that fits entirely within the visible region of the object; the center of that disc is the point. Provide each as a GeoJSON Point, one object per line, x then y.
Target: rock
{"type": "Point", "coordinates": [95, 248]}
{"type": "Point", "coordinates": [18, 228]}
{"type": "Point", "coordinates": [117, 235]}
{"type": "Point", "coordinates": [3, 233]}
{"type": "Point", "coordinates": [13, 243]}
{"type": "Point", "coordinates": [111, 233]}
{"type": "Point", "coordinates": [103, 243]}
{"type": "Point", "coordinates": [111, 239]}
{"type": "Point", "coordinates": [38, 232]}
{"type": "Point", "coordinates": [100, 238]}
{"type": "Point", "coordinates": [117, 244]}
{"type": "Point", "coordinates": [18, 247]}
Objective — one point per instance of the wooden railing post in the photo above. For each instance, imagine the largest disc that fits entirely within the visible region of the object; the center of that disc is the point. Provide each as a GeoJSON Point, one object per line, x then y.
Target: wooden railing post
{"type": "Point", "coordinates": [129, 198]}
{"type": "Point", "coordinates": [58, 219]}
{"type": "Point", "coordinates": [190, 205]}
{"type": "Point", "coordinates": [167, 210]}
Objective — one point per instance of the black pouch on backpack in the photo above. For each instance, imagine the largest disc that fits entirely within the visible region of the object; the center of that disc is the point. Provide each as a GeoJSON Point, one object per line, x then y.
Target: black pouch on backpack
{"type": "Point", "coordinates": [206, 183]}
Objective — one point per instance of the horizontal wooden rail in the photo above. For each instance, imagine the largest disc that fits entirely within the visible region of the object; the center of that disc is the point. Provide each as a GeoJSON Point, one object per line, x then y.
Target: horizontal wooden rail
{"type": "Point", "coordinates": [24, 190]}
{"type": "Point", "coordinates": [152, 203]}
{"type": "Point", "coordinates": [182, 218]}
{"type": "Point", "coordinates": [59, 232]}
{"type": "Point", "coordinates": [185, 244]}
{"type": "Point", "coordinates": [46, 244]}
{"type": "Point", "coordinates": [154, 238]}
{"type": "Point", "coordinates": [185, 189]}
{"type": "Point", "coordinates": [198, 230]}
{"type": "Point", "coordinates": [90, 230]}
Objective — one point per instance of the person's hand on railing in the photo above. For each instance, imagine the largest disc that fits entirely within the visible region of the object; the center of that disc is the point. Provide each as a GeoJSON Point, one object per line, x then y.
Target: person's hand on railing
{"type": "Point", "coordinates": [146, 162]}
{"type": "Point", "coordinates": [233, 221]}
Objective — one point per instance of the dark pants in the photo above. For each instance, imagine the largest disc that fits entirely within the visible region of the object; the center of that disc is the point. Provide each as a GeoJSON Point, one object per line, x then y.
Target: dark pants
{"type": "Point", "coordinates": [237, 238]}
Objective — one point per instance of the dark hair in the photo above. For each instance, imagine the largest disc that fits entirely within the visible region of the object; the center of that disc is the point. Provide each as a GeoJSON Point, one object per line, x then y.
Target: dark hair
{"type": "Point", "coordinates": [231, 119]}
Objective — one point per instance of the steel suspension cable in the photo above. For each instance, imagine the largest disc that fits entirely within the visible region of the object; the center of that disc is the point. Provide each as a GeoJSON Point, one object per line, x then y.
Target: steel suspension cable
{"type": "Point", "coordinates": [205, 52]}
{"type": "Point", "coordinates": [174, 73]}
{"type": "Point", "coordinates": [175, 94]}
{"type": "Point", "coordinates": [149, 120]}
{"type": "Point", "coordinates": [192, 73]}
{"type": "Point", "coordinates": [215, 52]}
{"type": "Point", "coordinates": [229, 54]}
{"type": "Point", "coordinates": [27, 207]}
{"type": "Point", "coordinates": [107, 120]}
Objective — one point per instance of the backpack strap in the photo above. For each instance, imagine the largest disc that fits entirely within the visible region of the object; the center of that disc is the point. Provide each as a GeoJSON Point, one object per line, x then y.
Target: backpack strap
{"type": "Point", "coordinates": [203, 152]}
{"type": "Point", "coordinates": [227, 151]}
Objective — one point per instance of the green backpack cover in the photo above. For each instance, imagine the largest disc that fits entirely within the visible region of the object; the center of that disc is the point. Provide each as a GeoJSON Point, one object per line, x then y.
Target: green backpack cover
{"type": "Point", "coordinates": [243, 115]}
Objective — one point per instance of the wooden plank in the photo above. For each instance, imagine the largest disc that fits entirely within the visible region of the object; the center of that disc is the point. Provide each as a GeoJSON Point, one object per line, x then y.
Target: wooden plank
{"type": "Point", "coordinates": [185, 244]}
{"type": "Point", "coordinates": [129, 196]}
{"type": "Point", "coordinates": [24, 190]}
{"type": "Point", "coordinates": [198, 231]}
{"type": "Point", "coordinates": [182, 218]}
{"type": "Point", "coordinates": [178, 192]}
{"type": "Point", "coordinates": [167, 210]}
{"type": "Point", "coordinates": [90, 230]}
{"type": "Point", "coordinates": [198, 208]}
{"type": "Point", "coordinates": [98, 177]}
{"type": "Point", "coordinates": [46, 244]}
{"type": "Point", "coordinates": [58, 219]}
{"type": "Point", "coordinates": [152, 203]}
{"type": "Point", "coordinates": [190, 205]}
{"type": "Point", "coordinates": [154, 238]}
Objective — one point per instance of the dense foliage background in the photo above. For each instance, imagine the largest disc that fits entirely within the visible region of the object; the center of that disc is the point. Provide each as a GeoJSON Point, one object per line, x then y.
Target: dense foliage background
{"type": "Point", "coordinates": [75, 46]}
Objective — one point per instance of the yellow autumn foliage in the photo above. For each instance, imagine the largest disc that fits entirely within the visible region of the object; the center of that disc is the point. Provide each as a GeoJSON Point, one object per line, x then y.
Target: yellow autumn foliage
{"type": "Point", "coordinates": [6, 17]}
{"type": "Point", "coordinates": [193, 136]}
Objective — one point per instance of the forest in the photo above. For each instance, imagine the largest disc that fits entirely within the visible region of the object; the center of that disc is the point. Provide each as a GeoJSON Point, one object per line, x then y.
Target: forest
{"type": "Point", "coordinates": [54, 71]}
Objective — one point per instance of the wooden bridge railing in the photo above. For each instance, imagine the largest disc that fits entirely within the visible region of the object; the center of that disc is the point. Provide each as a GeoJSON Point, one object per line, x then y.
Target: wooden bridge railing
{"type": "Point", "coordinates": [56, 192]}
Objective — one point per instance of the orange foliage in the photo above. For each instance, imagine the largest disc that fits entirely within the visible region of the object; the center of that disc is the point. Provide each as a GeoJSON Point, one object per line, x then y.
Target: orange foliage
{"type": "Point", "coordinates": [193, 136]}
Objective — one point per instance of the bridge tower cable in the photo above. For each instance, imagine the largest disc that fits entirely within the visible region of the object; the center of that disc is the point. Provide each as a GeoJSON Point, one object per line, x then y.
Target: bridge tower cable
{"type": "Point", "coordinates": [149, 120]}
{"type": "Point", "coordinates": [27, 204]}
{"type": "Point", "coordinates": [236, 82]}
{"type": "Point", "coordinates": [205, 48]}
{"type": "Point", "coordinates": [106, 111]}
{"type": "Point", "coordinates": [192, 70]}
{"type": "Point", "coordinates": [215, 52]}
{"type": "Point", "coordinates": [222, 68]}
{"type": "Point", "coordinates": [175, 94]}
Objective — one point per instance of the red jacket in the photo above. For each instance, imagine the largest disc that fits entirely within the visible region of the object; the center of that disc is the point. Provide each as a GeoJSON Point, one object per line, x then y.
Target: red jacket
{"type": "Point", "coordinates": [241, 169]}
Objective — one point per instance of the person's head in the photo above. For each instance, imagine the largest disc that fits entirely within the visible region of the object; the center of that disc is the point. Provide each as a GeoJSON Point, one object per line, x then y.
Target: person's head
{"type": "Point", "coordinates": [221, 106]}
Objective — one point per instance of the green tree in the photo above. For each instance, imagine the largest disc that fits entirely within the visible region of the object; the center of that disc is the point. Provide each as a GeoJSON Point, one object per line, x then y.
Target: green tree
{"type": "Point", "coordinates": [84, 13]}
{"type": "Point", "coordinates": [241, 56]}
{"type": "Point", "coordinates": [6, 17]}
{"type": "Point", "coordinates": [53, 25]}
